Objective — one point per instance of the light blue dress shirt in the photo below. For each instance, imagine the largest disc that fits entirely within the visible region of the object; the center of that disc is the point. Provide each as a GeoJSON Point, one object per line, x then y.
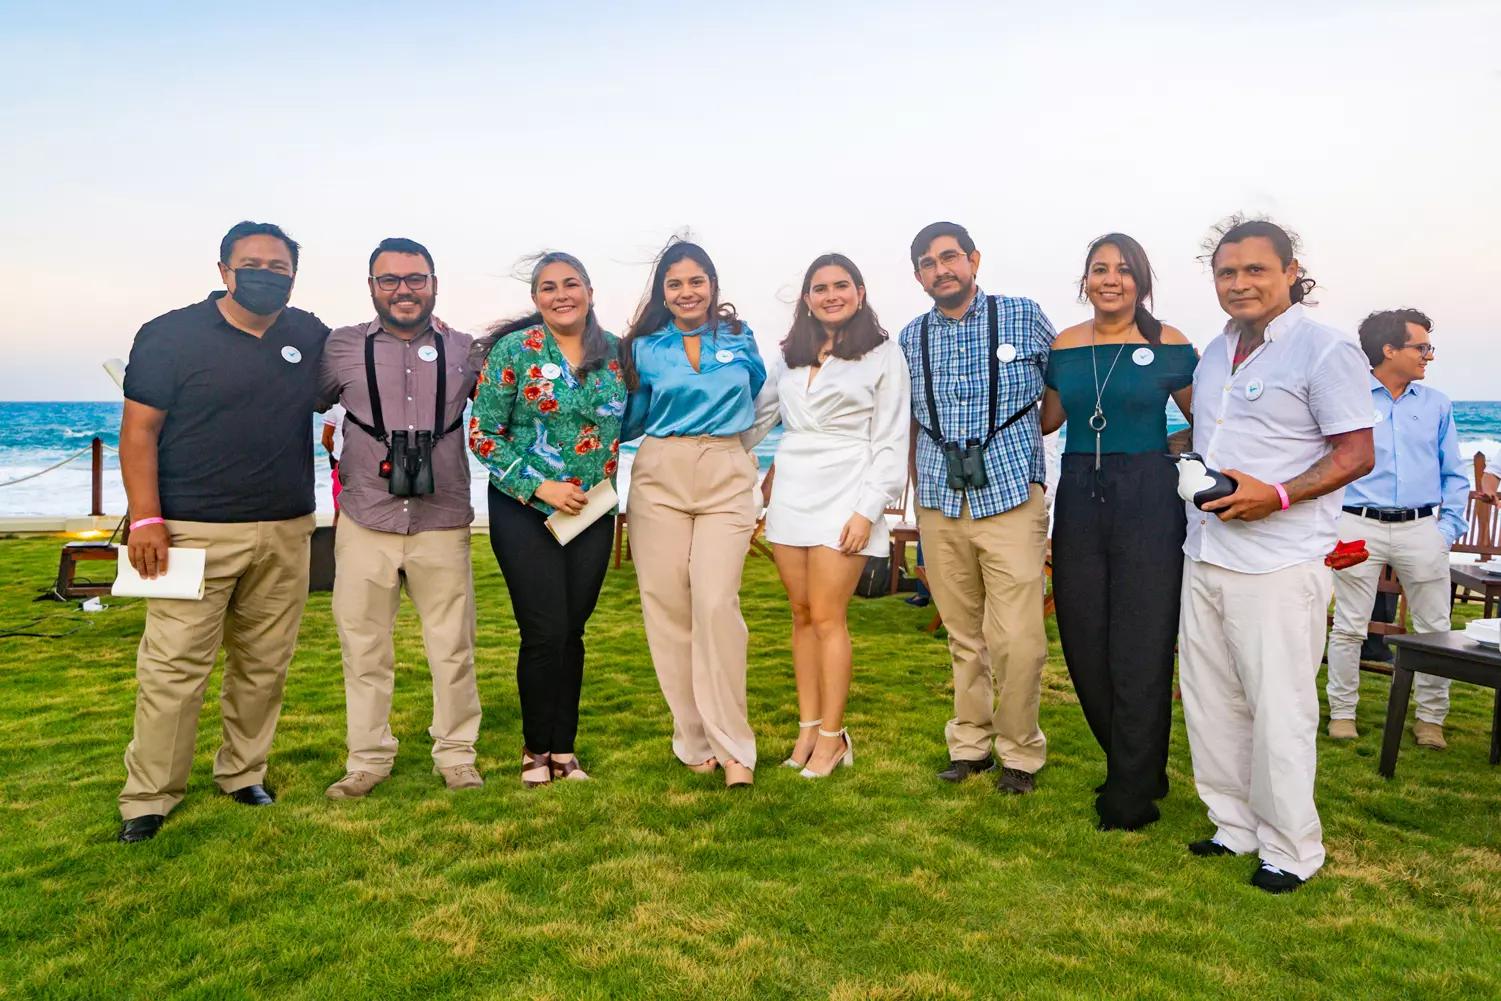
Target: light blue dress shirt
{"type": "Point", "coordinates": [1417, 458]}
{"type": "Point", "coordinates": [674, 400]}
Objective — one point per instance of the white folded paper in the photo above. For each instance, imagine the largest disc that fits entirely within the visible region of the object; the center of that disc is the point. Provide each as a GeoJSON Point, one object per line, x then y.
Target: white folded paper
{"type": "Point", "coordinates": [565, 527]}
{"type": "Point", "coordinates": [183, 579]}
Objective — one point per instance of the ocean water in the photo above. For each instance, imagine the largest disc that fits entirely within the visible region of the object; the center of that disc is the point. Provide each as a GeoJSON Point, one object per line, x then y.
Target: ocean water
{"type": "Point", "coordinates": [36, 435]}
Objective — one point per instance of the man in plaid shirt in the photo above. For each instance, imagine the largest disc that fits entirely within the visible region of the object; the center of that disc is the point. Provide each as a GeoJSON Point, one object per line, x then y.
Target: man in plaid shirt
{"type": "Point", "coordinates": [977, 364]}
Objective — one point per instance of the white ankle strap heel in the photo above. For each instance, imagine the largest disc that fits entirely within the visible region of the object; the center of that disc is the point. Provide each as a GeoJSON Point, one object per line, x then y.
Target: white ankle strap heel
{"type": "Point", "coordinates": [847, 760]}
{"type": "Point", "coordinates": [801, 725]}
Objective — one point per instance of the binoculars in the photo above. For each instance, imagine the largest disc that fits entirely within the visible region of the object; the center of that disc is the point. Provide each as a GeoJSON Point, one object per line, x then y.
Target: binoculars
{"type": "Point", "coordinates": [965, 464]}
{"type": "Point", "coordinates": [408, 465]}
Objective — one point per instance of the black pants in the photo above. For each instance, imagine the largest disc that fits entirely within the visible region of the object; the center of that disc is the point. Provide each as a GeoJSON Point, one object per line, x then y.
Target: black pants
{"type": "Point", "coordinates": [1117, 573]}
{"type": "Point", "coordinates": [553, 591]}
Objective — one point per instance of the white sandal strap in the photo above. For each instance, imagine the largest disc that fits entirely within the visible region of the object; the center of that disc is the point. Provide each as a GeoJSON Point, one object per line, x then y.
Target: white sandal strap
{"type": "Point", "coordinates": [804, 724]}
{"type": "Point", "coordinates": [824, 733]}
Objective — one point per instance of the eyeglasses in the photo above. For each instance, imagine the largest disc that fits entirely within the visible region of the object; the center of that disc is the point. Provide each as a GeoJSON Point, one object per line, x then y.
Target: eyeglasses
{"type": "Point", "coordinates": [390, 283]}
{"type": "Point", "coordinates": [948, 259]}
{"type": "Point", "coordinates": [1424, 350]}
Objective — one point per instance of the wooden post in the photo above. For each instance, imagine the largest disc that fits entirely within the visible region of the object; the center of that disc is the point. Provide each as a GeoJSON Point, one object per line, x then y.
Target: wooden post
{"type": "Point", "coordinates": [96, 508]}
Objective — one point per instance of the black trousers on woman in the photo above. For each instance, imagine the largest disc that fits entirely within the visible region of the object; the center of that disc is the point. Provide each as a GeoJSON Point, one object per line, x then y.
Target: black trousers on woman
{"type": "Point", "coordinates": [553, 591]}
{"type": "Point", "coordinates": [1117, 574]}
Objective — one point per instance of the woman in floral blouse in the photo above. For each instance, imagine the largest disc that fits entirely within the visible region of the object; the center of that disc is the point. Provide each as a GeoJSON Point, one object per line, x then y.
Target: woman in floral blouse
{"type": "Point", "coordinates": [546, 424]}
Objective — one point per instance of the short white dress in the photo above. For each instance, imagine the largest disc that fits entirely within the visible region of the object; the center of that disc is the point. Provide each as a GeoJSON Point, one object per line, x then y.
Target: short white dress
{"type": "Point", "coordinates": [843, 449]}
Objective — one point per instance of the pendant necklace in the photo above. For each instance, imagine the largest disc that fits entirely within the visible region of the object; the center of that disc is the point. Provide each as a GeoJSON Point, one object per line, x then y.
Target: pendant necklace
{"type": "Point", "coordinates": [1097, 421]}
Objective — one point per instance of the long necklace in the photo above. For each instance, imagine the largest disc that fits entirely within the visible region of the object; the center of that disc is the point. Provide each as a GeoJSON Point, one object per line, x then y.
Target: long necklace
{"type": "Point", "coordinates": [1097, 421]}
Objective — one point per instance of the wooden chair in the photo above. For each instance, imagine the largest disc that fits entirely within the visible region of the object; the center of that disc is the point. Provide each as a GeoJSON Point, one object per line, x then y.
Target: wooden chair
{"type": "Point", "coordinates": [902, 533]}
{"type": "Point", "coordinates": [1482, 537]}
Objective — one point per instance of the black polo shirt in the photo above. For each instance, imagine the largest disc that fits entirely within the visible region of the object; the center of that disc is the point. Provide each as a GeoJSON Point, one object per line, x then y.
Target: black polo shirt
{"type": "Point", "coordinates": [237, 444]}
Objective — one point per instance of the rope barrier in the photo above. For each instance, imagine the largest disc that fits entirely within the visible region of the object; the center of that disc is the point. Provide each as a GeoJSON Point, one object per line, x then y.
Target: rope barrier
{"type": "Point", "coordinates": [55, 465]}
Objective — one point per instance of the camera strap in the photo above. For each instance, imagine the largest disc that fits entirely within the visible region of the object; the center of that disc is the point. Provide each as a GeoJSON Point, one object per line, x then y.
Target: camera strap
{"type": "Point", "coordinates": [935, 431]}
{"type": "Point", "coordinates": [377, 429]}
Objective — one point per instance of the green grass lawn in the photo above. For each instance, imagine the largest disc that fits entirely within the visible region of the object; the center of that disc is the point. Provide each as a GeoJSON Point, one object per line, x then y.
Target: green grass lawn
{"type": "Point", "coordinates": [650, 881]}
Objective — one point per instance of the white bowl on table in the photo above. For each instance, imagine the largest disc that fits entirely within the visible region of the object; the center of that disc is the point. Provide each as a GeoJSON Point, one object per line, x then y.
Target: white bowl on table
{"type": "Point", "coordinates": [1486, 632]}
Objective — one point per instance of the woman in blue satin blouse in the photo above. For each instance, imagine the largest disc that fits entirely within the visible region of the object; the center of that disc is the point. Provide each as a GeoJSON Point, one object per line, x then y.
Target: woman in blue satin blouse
{"type": "Point", "coordinates": [694, 371]}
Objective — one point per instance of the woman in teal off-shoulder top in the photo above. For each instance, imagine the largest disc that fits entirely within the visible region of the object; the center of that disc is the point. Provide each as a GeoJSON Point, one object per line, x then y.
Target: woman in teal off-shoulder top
{"type": "Point", "coordinates": [1118, 523]}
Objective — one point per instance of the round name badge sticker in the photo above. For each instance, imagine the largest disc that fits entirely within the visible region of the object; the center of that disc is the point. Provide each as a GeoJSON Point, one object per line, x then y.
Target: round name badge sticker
{"type": "Point", "coordinates": [1254, 389]}
{"type": "Point", "coordinates": [551, 371]}
{"type": "Point", "coordinates": [291, 354]}
{"type": "Point", "coordinates": [724, 356]}
{"type": "Point", "coordinates": [427, 353]}
{"type": "Point", "coordinates": [1143, 356]}
{"type": "Point", "coordinates": [1006, 353]}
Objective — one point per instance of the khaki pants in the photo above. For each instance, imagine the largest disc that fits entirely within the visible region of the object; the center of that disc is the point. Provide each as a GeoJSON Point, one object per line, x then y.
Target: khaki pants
{"type": "Point", "coordinates": [692, 512]}
{"type": "Point", "coordinates": [986, 578]}
{"type": "Point", "coordinates": [255, 586]}
{"type": "Point", "coordinates": [367, 594]}
{"type": "Point", "coordinates": [1419, 554]}
{"type": "Point", "coordinates": [1248, 659]}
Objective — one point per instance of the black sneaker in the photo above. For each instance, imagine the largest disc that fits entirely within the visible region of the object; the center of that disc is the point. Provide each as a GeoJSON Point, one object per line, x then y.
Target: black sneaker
{"type": "Point", "coordinates": [959, 769]}
{"type": "Point", "coordinates": [1209, 848]}
{"type": "Point", "coordinates": [1015, 781]}
{"type": "Point", "coordinates": [1273, 880]}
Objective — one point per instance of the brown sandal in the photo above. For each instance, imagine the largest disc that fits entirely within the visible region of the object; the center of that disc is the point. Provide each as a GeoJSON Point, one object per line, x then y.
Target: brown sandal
{"type": "Point", "coordinates": [533, 762]}
{"type": "Point", "coordinates": [569, 769]}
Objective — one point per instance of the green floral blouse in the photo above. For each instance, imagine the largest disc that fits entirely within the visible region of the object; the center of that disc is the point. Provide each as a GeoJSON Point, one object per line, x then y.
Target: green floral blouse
{"type": "Point", "coordinates": [534, 420]}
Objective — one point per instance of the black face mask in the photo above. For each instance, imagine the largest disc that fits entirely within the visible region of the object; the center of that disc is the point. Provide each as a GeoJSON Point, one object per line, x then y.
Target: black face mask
{"type": "Point", "coordinates": [261, 290]}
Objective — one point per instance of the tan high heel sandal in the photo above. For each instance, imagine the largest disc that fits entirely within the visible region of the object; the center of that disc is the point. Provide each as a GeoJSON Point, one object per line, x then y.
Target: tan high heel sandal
{"type": "Point", "coordinates": [737, 776]}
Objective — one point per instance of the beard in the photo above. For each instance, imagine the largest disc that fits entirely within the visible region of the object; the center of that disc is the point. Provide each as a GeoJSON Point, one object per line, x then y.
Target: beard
{"type": "Point", "coordinates": [953, 299]}
{"type": "Point", "coordinates": [389, 321]}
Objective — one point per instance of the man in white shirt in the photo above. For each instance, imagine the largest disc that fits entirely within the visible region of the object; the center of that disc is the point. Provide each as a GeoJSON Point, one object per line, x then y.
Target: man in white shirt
{"type": "Point", "coordinates": [1281, 405]}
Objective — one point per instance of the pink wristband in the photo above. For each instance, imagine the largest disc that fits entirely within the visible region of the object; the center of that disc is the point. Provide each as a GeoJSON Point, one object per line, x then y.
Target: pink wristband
{"type": "Point", "coordinates": [1282, 493]}
{"type": "Point", "coordinates": [151, 521]}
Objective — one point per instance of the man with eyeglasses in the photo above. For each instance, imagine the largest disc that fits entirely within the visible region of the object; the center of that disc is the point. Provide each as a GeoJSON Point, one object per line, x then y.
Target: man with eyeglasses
{"type": "Point", "coordinates": [977, 366]}
{"type": "Point", "coordinates": [1409, 509]}
{"type": "Point", "coordinates": [403, 379]}
{"type": "Point", "coordinates": [216, 451]}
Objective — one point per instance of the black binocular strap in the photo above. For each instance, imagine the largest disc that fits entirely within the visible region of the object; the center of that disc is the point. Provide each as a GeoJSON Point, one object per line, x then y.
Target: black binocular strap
{"type": "Point", "coordinates": [936, 432]}
{"type": "Point", "coordinates": [377, 430]}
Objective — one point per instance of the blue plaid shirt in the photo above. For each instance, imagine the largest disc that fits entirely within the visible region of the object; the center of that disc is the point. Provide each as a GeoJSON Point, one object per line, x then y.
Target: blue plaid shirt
{"type": "Point", "coordinates": [960, 351]}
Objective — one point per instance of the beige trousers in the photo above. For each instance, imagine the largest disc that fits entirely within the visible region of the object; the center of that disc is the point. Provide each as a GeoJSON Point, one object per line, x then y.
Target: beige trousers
{"type": "Point", "coordinates": [1419, 554]}
{"type": "Point", "coordinates": [369, 566]}
{"type": "Point", "coordinates": [1248, 660]}
{"type": "Point", "coordinates": [692, 512]}
{"type": "Point", "coordinates": [986, 577]}
{"type": "Point", "coordinates": [255, 586]}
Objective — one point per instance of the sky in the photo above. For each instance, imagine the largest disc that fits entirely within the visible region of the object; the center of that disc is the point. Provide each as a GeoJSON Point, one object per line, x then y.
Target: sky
{"type": "Point", "coordinates": [771, 131]}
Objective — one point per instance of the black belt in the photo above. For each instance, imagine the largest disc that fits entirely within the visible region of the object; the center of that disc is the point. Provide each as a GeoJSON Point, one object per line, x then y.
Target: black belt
{"type": "Point", "coordinates": [1389, 514]}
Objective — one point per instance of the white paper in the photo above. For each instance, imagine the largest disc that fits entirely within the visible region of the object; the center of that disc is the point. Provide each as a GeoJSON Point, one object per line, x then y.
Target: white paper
{"type": "Point", "coordinates": [183, 579]}
{"type": "Point", "coordinates": [601, 498]}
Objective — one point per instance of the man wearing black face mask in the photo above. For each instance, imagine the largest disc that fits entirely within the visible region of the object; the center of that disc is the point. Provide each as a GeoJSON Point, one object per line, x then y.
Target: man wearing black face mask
{"type": "Point", "coordinates": [216, 453]}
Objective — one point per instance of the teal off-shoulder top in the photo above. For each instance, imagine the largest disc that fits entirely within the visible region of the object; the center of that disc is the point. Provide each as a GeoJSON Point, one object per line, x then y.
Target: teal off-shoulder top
{"type": "Point", "coordinates": [1133, 400]}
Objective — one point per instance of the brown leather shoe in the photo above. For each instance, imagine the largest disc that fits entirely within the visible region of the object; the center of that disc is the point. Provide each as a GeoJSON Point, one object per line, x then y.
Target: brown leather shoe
{"type": "Point", "coordinates": [460, 776]}
{"type": "Point", "coordinates": [355, 785]}
{"type": "Point", "coordinates": [1430, 735]}
{"type": "Point", "coordinates": [1015, 781]}
{"type": "Point", "coordinates": [1342, 729]}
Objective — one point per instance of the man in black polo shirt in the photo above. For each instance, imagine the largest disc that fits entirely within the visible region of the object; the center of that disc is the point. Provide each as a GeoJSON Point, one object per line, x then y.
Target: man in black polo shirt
{"type": "Point", "coordinates": [216, 451]}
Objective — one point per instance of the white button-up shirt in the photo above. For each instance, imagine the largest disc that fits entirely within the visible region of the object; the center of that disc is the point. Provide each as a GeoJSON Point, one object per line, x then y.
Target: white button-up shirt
{"type": "Point", "coordinates": [1272, 418]}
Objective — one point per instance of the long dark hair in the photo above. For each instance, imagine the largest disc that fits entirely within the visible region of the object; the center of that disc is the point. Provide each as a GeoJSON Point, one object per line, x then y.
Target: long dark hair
{"type": "Point", "coordinates": [806, 336]}
{"type": "Point", "coordinates": [596, 346]}
{"type": "Point", "coordinates": [652, 314]}
{"type": "Point", "coordinates": [1237, 228]}
{"type": "Point", "coordinates": [1141, 272]}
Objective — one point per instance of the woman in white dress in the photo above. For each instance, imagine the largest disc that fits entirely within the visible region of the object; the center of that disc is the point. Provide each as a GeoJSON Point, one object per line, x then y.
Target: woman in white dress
{"type": "Point", "coordinates": [840, 389]}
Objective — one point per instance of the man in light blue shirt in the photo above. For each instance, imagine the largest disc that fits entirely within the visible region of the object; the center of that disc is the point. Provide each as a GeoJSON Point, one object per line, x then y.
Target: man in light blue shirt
{"type": "Point", "coordinates": [1410, 511]}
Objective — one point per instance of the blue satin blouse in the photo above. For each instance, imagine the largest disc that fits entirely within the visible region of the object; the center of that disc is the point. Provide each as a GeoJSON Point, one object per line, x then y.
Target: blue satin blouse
{"type": "Point", "coordinates": [674, 400]}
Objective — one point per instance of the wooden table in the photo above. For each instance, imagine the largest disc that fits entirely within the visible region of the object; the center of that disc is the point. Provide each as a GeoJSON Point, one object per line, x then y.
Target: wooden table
{"type": "Point", "coordinates": [1444, 655]}
{"type": "Point", "coordinates": [1472, 578]}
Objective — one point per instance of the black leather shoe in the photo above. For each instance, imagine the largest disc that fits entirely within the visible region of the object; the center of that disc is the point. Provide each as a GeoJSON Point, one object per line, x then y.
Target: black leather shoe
{"type": "Point", "coordinates": [1209, 848]}
{"type": "Point", "coordinates": [1274, 880]}
{"type": "Point", "coordinates": [141, 828]}
{"type": "Point", "coordinates": [959, 770]}
{"type": "Point", "coordinates": [256, 795]}
{"type": "Point", "coordinates": [1015, 781]}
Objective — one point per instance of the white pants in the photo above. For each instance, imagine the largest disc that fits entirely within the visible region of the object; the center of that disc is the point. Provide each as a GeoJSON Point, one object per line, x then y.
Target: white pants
{"type": "Point", "coordinates": [1248, 656]}
{"type": "Point", "coordinates": [1419, 554]}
